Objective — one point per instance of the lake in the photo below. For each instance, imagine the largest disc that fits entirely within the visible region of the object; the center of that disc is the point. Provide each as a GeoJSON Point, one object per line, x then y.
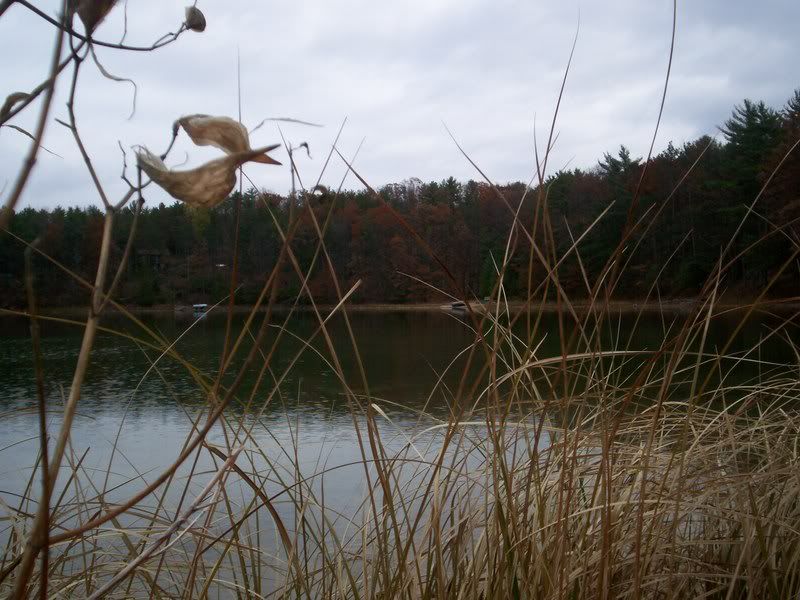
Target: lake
{"type": "Point", "coordinates": [301, 427]}
{"type": "Point", "coordinates": [403, 353]}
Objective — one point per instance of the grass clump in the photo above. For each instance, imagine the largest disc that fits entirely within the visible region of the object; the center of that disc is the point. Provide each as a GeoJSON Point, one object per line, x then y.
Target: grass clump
{"type": "Point", "coordinates": [598, 469]}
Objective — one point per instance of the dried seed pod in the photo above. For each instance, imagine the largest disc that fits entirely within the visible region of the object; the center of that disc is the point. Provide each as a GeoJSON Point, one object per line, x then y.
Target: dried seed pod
{"type": "Point", "coordinates": [195, 19]}
{"type": "Point", "coordinates": [204, 186]}
{"type": "Point", "coordinates": [223, 133]}
{"type": "Point", "coordinates": [91, 12]}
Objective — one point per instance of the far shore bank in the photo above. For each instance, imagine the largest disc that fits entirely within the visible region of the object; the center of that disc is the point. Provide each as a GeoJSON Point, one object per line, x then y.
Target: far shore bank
{"type": "Point", "coordinates": [675, 305]}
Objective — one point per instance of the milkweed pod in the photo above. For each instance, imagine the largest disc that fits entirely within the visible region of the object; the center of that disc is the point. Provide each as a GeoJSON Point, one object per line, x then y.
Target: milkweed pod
{"type": "Point", "coordinates": [204, 186]}
{"type": "Point", "coordinates": [223, 133]}
{"type": "Point", "coordinates": [195, 19]}
{"type": "Point", "coordinates": [91, 12]}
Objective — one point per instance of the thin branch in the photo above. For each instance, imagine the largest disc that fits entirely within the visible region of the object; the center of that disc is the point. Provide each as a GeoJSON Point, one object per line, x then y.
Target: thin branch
{"type": "Point", "coordinates": [124, 22]}
{"type": "Point", "coordinates": [124, 175]}
{"type": "Point", "coordinates": [30, 160]}
{"type": "Point", "coordinates": [42, 406]}
{"type": "Point", "coordinates": [5, 5]}
{"type": "Point", "coordinates": [125, 255]}
{"type": "Point", "coordinates": [20, 105]}
{"type": "Point", "coordinates": [73, 127]}
{"type": "Point", "coordinates": [32, 547]}
{"type": "Point", "coordinates": [164, 40]}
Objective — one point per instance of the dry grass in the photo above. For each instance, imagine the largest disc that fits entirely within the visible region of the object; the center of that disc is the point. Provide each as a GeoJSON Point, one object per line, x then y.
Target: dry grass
{"type": "Point", "coordinates": [603, 470]}
{"type": "Point", "coordinates": [581, 475]}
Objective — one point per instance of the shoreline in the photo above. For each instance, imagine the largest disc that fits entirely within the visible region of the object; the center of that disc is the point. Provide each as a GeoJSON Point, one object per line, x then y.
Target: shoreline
{"type": "Point", "coordinates": [675, 305]}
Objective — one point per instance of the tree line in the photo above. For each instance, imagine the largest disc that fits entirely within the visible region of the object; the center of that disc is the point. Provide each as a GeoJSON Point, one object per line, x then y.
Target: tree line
{"type": "Point", "coordinates": [687, 206]}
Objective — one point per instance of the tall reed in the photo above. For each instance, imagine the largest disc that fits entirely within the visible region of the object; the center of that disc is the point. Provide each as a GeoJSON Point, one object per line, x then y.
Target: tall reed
{"type": "Point", "coordinates": [604, 469]}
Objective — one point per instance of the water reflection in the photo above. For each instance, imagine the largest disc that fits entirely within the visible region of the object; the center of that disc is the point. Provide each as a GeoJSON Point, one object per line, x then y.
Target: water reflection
{"type": "Point", "coordinates": [149, 417]}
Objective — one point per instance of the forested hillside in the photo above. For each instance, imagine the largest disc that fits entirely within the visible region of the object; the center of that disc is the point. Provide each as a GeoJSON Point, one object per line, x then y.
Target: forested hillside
{"type": "Point", "coordinates": [690, 203]}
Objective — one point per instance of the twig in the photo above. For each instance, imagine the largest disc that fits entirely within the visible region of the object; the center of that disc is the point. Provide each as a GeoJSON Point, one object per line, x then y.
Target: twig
{"type": "Point", "coordinates": [30, 160]}
{"type": "Point", "coordinates": [37, 363]}
{"type": "Point", "coordinates": [124, 175]}
{"type": "Point", "coordinates": [73, 127]}
{"type": "Point", "coordinates": [42, 516]}
{"type": "Point", "coordinates": [19, 106]}
{"type": "Point", "coordinates": [5, 5]}
{"type": "Point", "coordinates": [41, 521]}
{"type": "Point", "coordinates": [125, 256]}
{"type": "Point", "coordinates": [164, 40]}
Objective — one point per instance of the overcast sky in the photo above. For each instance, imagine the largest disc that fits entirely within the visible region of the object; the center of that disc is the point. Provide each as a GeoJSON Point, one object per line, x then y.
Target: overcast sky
{"type": "Point", "coordinates": [398, 71]}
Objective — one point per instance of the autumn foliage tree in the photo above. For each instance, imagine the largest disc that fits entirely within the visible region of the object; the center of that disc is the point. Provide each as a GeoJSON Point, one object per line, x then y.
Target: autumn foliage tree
{"type": "Point", "coordinates": [689, 204]}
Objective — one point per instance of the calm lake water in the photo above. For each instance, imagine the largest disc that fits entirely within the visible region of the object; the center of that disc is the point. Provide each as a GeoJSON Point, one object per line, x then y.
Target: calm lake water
{"type": "Point", "coordinates": [150, 413]}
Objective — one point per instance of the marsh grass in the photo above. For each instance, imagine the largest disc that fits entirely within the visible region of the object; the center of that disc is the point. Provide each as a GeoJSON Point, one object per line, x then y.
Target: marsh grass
{"type": "Point", "coordinates": [605, 470]}
{"type": "Point", "coordinates": [582, 475]}
{"type": "Point", "coordinates": [601, 470]}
